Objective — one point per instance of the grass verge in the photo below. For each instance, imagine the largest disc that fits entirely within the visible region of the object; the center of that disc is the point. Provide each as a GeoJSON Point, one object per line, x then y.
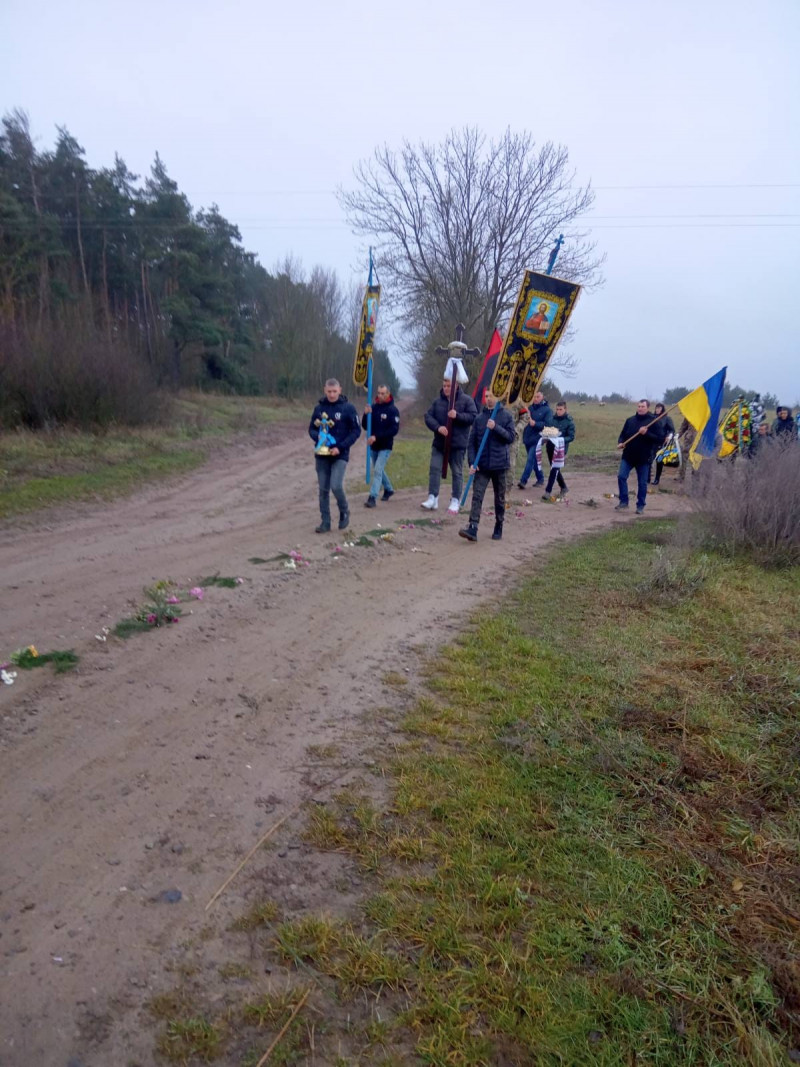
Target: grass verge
{"type": "Point", "coordinates": [42, 469]}
{"type": "Point", "coordinates": [592, 851]}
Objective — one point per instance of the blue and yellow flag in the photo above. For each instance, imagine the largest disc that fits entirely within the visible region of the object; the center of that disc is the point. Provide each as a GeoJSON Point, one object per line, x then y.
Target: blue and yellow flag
{"type": "Point", "coordinates": [701, 410]}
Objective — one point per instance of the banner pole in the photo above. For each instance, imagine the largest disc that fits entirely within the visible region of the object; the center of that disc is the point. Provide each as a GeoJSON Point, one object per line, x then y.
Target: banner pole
{"type": "Point", "coordinates": [369, 421]}
{"type": "Point", "coordinates": [368, 478]}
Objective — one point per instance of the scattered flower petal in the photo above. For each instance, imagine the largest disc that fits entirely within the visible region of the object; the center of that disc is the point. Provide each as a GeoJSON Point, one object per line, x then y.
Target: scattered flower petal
{"type": "Point", "coordinates": [7, 677]}
{"type": "Point", "coordinates": [196, 592]}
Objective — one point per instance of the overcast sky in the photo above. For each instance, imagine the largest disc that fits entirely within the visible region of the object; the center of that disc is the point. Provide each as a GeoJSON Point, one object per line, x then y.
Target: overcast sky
{"type": "Point", "coordinates": [685, 117]}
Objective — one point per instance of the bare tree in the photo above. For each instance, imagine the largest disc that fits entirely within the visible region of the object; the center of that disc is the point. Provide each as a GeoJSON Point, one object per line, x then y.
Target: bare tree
{"type": "Point", "coordinates": [458, 222]}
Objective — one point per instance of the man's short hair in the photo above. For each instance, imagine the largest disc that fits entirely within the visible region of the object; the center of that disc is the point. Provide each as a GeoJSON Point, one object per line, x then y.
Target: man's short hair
{"type": "Point", "coordinates": [333, 381]}
{"type": "Point", "coordinates": [643, 401]}
{"type": "Point", "coordinates": [561, 404]}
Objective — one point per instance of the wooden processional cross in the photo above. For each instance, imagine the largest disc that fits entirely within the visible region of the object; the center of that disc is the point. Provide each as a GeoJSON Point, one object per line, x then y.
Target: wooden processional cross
{"type": "Point", "coordinates": [456, 349]}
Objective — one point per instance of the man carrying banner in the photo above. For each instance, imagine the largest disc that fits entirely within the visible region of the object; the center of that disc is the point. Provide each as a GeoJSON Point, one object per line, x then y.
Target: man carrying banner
{"type": "Point", "coordinates": [339, 419]}
{"type": "Point", "coordinates": [492, 465]}
{"type": "Point", "coordinates": [636, 441]}
{"type": "Point", "coordinates": [463, 412]}
{"type": "Point", "coordinates": [385, 424]}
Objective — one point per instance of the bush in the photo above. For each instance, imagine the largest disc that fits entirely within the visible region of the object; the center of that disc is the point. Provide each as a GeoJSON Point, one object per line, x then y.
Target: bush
{"type": "Point", "coordinates": [751, 507]}
{"type": "Point", "coordinates": [675, 574]}
{"type": "Point", "coordinates": [69, 374]}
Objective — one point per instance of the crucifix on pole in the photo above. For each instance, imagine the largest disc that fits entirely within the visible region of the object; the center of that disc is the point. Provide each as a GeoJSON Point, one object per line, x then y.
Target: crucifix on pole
{"type": "Point", "coordinates": [456, 351]}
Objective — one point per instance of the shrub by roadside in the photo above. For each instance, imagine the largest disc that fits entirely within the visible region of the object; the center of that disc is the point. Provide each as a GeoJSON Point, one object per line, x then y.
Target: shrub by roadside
{"type": "Point", "coordinates": [751, 507]}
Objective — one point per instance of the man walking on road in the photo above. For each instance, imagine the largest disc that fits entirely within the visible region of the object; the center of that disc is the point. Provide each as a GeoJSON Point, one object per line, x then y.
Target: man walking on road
{"type": "Point", "coordinates": [636, 455]}
{"type": "Point", "coordinates": [492, 466]}
{"type": "Point", "coordinates": [461, 409]}
{"type": "Point", "coordinates": [385, 424]}
{"type": "Point", "coordinates": [341, 423]}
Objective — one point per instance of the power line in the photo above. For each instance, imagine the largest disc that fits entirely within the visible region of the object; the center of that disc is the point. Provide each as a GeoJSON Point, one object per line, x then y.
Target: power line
{"type": "Point", "coordinates": [742, 185]}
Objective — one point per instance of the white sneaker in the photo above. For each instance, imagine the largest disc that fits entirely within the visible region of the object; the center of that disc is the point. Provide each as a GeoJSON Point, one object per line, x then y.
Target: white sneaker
{"type": "Point", "coordinates": [431, 504]}
{"type": "Point", "coordinates": [454, 506]}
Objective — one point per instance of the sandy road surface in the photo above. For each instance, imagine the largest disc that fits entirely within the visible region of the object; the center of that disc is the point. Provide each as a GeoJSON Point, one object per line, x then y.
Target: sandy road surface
{"type": "Point", "coordinates": [160, 760]}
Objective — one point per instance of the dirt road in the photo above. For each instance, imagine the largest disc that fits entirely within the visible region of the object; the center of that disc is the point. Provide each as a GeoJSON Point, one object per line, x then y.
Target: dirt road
{"type": "Point", "coordinates": [161, 760]}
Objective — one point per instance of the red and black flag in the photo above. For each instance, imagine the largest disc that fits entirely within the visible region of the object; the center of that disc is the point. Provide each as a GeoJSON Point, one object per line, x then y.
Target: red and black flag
{"type": "Point", "coordinates": [488, 368]}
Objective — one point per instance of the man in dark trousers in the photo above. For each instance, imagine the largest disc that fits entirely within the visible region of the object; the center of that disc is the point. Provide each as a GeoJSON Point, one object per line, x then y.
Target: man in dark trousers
{"type": "Point", "coordinates": [636, 455]}
{"type": "Point", "coordinates": [385, 424]}
{"type": "Point", "coordinates": [463, 412]}
{"type": "Point", "coordinates": [339, 419]}
{"type": "Point", "coordinates": [491, 467]}
{"type": "Point", "coordinates": [539, 416]}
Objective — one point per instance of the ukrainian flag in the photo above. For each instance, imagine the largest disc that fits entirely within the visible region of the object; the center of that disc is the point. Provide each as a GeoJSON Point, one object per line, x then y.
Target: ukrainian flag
{"type": "Point", "coordinates": [701, 409]}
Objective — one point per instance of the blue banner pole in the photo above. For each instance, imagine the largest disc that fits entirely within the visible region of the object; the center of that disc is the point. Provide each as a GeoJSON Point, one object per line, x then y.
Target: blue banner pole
{"type": "Point", "coordinates": [551, 263]}
{"type": "Point", "coordinates": [369, 394]}
{"type": "Point", "coordinates": [369, 421]}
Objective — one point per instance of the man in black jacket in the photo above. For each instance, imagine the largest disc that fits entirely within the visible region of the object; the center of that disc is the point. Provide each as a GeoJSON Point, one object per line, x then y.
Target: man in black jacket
{"type": "Point", "coordinates": [385, 424]}
{"type": "Point", "coordinates": [636, 455]}
{"type": "Point", "coordinates": [341, 422]}
{"type": "Point", "coordinates": [491, 467]}
{"type": "Point", "coordinates": [462, 411]}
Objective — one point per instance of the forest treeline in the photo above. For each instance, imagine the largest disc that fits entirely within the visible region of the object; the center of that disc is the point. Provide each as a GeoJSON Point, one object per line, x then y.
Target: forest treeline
{"type": "Point", "coordinates": [113, 289]}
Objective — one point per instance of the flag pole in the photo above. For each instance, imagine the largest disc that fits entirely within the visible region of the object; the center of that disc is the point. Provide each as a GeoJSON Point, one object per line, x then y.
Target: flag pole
{"type": "Point", "coordinates": [368, 478]}
{"type": "Point", "coordinates": [656, 419]}
{"type": "Point", "coordinates": [550, 264]}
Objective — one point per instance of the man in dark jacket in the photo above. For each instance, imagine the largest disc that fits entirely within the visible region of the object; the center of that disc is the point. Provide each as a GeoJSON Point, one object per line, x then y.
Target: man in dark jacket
{"type": "Point", "coordinates": [636, 455]}
{"type": "Point", "coordinates": [491, 467]}
{"type": "Point", "coordinates": [539, 416]}
{"type": "Point", "coordinates": [462, 411]}
{"type": "Point", "coordinates": [337, 416]}
{"type": "Point", "coordinates": [385, 424]}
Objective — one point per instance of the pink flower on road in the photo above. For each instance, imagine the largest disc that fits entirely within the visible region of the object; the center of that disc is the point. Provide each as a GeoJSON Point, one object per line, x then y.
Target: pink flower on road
{"type": "Point", "coordinates": [173, 600]}
{"type": "Point", "coordinates": [151, 619]}
{"type": "Point", "coordinates": [197, 593]}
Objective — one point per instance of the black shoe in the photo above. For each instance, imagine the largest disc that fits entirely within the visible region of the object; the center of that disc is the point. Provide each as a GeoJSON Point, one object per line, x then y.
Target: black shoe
{"type": "Point", "coordinates": [344, 520]}
{"type": "Point", "coordinates": [621, 507]}
{"type": "Point", "coordinates": [497, 534]}
{"type": "Point", "coordinates": [324, 527]}
{"type": "Point", "coordinates": [469, 533]}
{"type": "Point", "coordinates": [640, 511]}
{"type": "Point", "coordinates": [387, 493]}
{"type": "Point", "coordinates": [656, 481]}
{"type": "Point", "coordinates": [522, 485]}
{"type": "Point", "coordinates": [370, 502]}
{"type": "Point", "coordinates": [540, 481]}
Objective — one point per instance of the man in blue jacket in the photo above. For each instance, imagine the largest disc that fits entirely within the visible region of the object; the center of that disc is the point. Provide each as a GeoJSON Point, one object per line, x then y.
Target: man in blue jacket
{"type": "Point", "coordinates": [461, 409]}
{"type": "Point", "coordinates": [539, 416]}
{"type": "Point", "coordinates": [491, 467]}
{"type": "Point", "coordinates": [342, 424]}
{"type": "Point", "coordinates": [385, 424]}
{"type": "Point", "coordinates": [640, 436]}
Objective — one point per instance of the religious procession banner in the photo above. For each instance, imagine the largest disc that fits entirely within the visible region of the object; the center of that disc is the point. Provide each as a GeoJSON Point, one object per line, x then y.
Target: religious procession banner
{"type": "Point", "coordinates": [366, 334]}
{"type": "Point", "coordinates": [736, 429]}
{"type": "Point", "coordinates": [540, 316]}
